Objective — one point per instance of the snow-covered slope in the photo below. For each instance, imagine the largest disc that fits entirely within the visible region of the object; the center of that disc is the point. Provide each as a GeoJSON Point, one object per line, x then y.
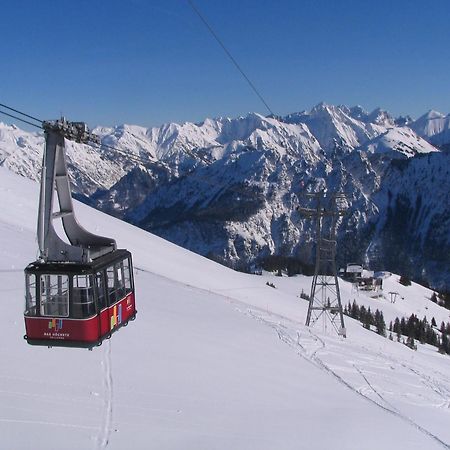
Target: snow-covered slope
{"type": "Point", "coordinates": [400, 139]}
{"type": "Point", "coordinates": [215, 360]}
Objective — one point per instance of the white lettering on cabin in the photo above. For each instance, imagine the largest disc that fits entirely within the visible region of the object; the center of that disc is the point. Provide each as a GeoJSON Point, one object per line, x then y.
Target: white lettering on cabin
{"type": "Point", "coordinates": [57, 335]}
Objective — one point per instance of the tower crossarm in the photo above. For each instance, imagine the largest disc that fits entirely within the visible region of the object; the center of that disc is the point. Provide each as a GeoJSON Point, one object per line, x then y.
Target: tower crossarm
{"type": "Point", "coordinates": [73, 131]}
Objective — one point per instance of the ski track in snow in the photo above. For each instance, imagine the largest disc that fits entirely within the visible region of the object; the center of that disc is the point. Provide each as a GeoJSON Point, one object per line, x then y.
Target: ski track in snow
{"type": "Point", "coordinates": [375, 391]}
{"type": "Point", "coordinates": [283, 334]}
{"type": "Point", "coordinates": [52, 424]}
{"type": "Point", "coordinates": [105, 433]}
{"type": "Point", "coordinates": [433, 384]}
{"type": "Point", "coordinates": [429, 382]}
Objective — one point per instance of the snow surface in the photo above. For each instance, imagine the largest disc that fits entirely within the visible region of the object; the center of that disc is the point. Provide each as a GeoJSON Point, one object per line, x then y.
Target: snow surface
{"type": "Point", "coordinates": [215, 360]}
{"type": "Point", "coordinates": [402, 140]}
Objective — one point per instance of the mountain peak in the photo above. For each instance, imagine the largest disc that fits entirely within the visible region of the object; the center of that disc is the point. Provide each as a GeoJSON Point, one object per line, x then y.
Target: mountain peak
{"type": "Point", "coordinates": [380, 117]}
{"type": "Point", "coordinates": [358, 112]}
{"type": "Point", "coordinates": [323, 107]}
{"type": "Point", "coordinates": [432, 114]}
{"type": "Point", "coordinates": [433, 126]}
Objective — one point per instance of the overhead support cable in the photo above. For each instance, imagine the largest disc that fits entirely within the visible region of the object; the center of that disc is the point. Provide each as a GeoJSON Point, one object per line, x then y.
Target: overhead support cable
{"type": "Point", "coordinates": [22, 120]}
{"type": "Point", "coordinates": [20, 112]}
{"type": "Point", "coordinates": [233, 60]}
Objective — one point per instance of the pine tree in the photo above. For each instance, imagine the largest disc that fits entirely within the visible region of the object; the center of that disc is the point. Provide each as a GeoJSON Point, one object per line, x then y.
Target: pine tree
{"type": "Point", "coordinates": [403, 328]}
{"type": "Point", "coordinates": [380, 324]}
{"type": "Point", "coordinates": [422, 330]}
{"type": "Point", "coordinates": [362, 314]}
{"type": "Point", "coordinates": [368, 319]}
{"type": "Point", "coordinates": [431, 337]}
{"type": "Point", "coordinates": [349, 309]}
{"type": "Point", "coordinates": [405, 280]}
{"type": "Point", "coordinates": [355, 311]}
{"type": "Point", "coordinates": [396, 326]}
{"type": "Point", "coordinates": [410, 340]}
{"type": "Point", "coordinates": [433, 322]}
{"type": "Point", "coordinates": [443, 345]}
{"type": "Point", "coordinates": [411, 326]}
{"type": "Point", "coordinates": [371, 319]}
{"type": "Point", "coordinates": [397, 329]}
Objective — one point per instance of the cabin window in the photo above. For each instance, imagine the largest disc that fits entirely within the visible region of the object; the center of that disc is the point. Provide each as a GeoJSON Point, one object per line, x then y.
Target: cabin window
{"type": "Point", "coordinates": [127, 275]}
{"type": "Point", "coordinates": [112, 284]}
{"type": "Point", "coordinates": [100, 280]}
{"type": "Point", "coordinates": [30, 294]}
{"type": "Point", "coordinates": [54, 295]}
{"type": "Point", "coordinates": [83, 304]}
{"type": "Point", "coordinates": [120, 280]}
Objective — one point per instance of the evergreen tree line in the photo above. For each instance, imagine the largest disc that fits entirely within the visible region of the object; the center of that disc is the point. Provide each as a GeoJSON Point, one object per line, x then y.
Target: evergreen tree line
{"type": "Point", "coordinates": [422, 331]}
{"type": "Point", "coordinates": [413, 328]}
{"type": "Point", "coordinates": [367, 317]}
{"type": "Point", "coordinates": [293, 266]}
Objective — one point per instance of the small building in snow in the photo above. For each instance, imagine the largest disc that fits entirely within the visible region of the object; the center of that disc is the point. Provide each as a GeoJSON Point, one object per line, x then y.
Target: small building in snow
{"type": "Point", "coordinates": [363, 279]}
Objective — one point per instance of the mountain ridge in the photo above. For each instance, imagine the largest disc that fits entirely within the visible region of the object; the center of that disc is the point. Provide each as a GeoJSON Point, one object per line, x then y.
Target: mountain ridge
{"type": "Point", "coordinates": [229, 188]}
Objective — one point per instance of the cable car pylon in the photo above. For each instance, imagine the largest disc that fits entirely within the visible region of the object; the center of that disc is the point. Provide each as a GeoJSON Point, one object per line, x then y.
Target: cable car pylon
{"type": "Point", "coordinates": [81, 291]}
{"type": "Point", "coordinates": [325, 297]}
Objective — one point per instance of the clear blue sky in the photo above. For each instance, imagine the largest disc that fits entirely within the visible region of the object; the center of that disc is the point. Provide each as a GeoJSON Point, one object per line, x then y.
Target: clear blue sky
{"type": "Point", "coordinates": [148, 62]}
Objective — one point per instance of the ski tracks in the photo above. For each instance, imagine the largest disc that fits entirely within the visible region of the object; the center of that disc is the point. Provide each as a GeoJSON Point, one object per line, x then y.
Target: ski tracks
{"type": "Point", "coordinates": [312, 357]}
{"type": "Point", "coordinates": [375, 391]}
{"type": "Point", "coordinates": [432, 384]}
{"type": "Point", "coordinates": [105, 432]}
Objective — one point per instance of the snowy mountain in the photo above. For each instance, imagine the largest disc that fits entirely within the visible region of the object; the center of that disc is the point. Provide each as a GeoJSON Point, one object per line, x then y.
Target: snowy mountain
{"type": "Point", "coordinates": [347, 127]}
{"type": "Point", "coordinates": [21, 152]}
{"type": "Point", "coordinates": [229, 188]}
{"type": "Point", "coordinates": [216, 359]}
{"type": "Point", "coordinates": [434, 127]}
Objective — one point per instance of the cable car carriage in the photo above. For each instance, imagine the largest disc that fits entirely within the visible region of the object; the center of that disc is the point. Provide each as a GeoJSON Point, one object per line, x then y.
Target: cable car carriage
{"type": "Point", "coordinates": [78, 292]}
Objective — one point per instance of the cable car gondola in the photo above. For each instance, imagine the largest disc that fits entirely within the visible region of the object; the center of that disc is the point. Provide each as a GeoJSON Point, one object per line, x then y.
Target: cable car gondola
{"type": "Point", "coordinates": [78, 292]}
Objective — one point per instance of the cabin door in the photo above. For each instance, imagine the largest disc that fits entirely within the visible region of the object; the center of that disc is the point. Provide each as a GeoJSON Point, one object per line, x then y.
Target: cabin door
{"type": "Point", "coordinates": [103, 303]}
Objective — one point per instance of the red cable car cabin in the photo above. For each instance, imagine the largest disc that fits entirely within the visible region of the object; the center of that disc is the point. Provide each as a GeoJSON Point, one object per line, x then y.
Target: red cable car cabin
{"type": "Point", "coordinates": [80, 290]}
{"type": "Point", "coordinates": [79, 305]}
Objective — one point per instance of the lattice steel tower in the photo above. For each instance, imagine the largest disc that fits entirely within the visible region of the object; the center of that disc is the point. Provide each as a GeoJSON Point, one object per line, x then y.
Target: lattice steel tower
{"type": "Point", "coordinates": [325, 298]}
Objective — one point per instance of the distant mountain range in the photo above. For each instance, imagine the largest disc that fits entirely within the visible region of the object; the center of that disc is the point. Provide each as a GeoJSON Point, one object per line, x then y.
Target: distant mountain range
{"type": "Point", "coordinates": [229, 188]}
